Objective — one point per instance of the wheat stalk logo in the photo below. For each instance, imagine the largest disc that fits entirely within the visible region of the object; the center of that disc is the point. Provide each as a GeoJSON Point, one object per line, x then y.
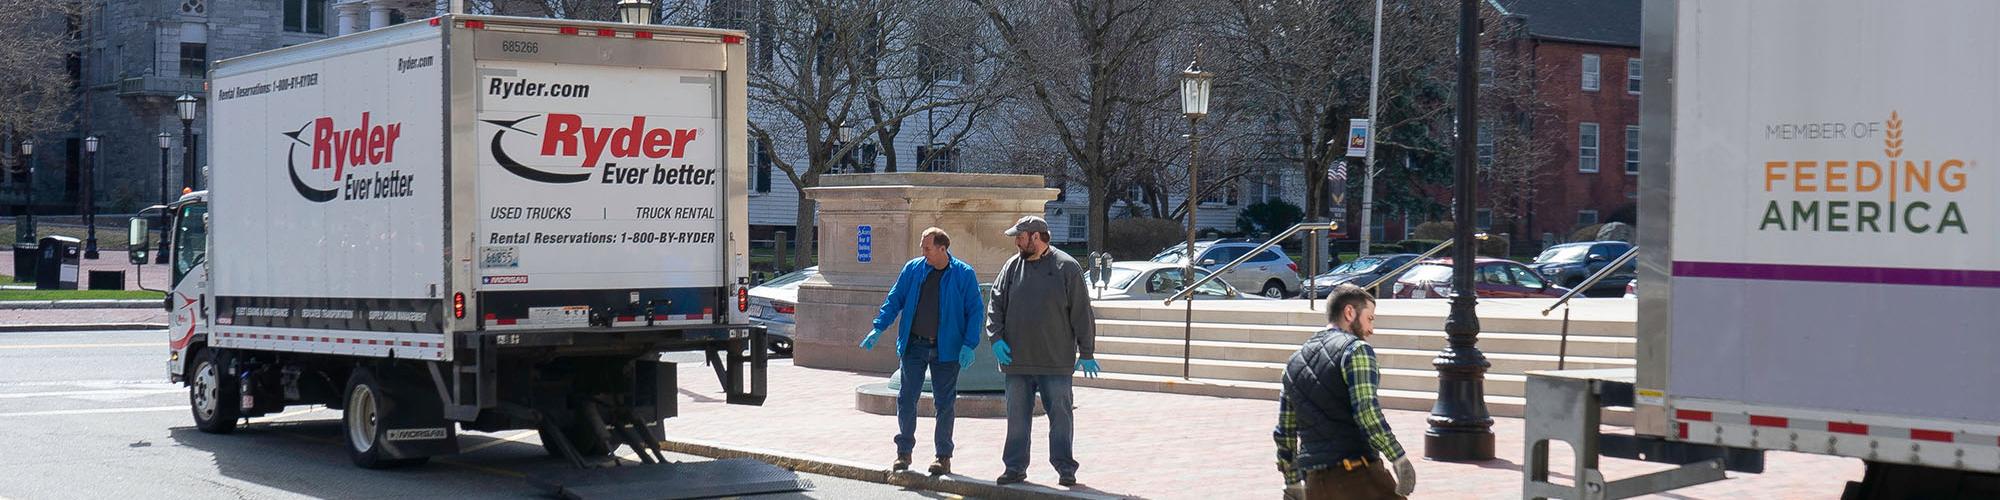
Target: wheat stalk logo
{"type": "Point", "coordinates": [1892, 144]}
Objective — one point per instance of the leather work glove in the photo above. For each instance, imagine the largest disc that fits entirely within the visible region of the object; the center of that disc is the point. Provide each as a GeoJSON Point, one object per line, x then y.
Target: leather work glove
{"type": "Point", "coordinates": [965, 357]}
{"type": "Point", "coordinates": [1002, 353]}
{"type": "Point", "coordinates": [1406, 477]}
{"type": "Point", "coordinates": [868, 342]}
{"type": "Point", "coordinates": [1089, 367]}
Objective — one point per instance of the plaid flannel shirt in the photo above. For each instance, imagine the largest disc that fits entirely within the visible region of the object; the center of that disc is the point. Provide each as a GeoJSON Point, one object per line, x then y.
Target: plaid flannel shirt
{"type": "Point", "coordinates": [1362, 377]}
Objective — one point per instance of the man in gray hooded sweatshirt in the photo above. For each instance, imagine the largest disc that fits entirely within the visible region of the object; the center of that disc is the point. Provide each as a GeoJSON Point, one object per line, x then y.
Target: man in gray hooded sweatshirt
{"type": "Point", "coordinates": [1043, 331]}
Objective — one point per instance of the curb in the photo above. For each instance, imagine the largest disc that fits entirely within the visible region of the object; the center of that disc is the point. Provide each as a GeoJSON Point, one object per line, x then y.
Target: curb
{"type": "Point", "coordinates": [954, 484]}
{"type": "Point", "coordinates": [82, 327]}
{"type": "Point", "coordinates": [85, 304]}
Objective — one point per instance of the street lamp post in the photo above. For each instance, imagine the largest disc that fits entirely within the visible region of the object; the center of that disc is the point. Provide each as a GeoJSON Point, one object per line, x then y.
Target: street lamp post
{"type": "Point", "coordinates": [26, 232]}
{"type": "Point", "coordinates": [166, 144]}
{"type": "Point", "coordinates": [635, 11]}
{"type": "Point", "coordinates": [186, 106]}
{"type": "Point", "coordinates": [1195, 86]}
{"type": "Point", "coordinates": [90, 197]}
{"type": "Point", "coordinates": [1460, 429]}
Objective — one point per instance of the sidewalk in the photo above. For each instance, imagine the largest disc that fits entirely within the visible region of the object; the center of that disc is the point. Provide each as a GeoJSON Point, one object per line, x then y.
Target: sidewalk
{"type": "Point", "coordinates": [109, 260]}
{"type": "Point", "coordinates": [1150, 445]}
{"type": "Point", "coordinates": [74, 319]}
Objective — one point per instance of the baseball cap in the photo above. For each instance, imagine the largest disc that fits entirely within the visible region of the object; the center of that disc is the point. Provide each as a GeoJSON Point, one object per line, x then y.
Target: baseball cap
{"type": "Point", "coordinates": [1031, 224]}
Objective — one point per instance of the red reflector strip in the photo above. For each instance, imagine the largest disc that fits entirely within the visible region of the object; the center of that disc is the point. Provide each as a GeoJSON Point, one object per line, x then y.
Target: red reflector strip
{"type": "Point", "coordinates": [627, 318]}
{"type": "Point", "coordinates": [477, 25]}
{"type": "Point", "coordinates": [568, 30]}
{"type": "Point", "coordinates": [607, 33]}
{"type": "Point", "coordinates": [662, 317]}
{"type": "Point", "coordinates": [1762, 421]}
{"type": "Point", "coordinates": [1684, 430]}
{"type": "Point", "coordinates": [732, 39]}
{"type": "Point", "coordinates": [697, 316]}
{"type": "Point", "coordinates": [1692, 415]}
{"type": "Point", "coordinates": [505, 322]}
{"type": "Point", "coordinates": [1924, 435]}
{"type": "Point", "coordinates": [643, 35]}
{"type": "Point", "coordinates": [1847, 428]}
{"type": "Point", "coordinates": [434, 21]}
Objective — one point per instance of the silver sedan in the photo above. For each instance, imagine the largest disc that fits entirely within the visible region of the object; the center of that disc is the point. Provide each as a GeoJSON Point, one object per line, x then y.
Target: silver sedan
{"type": "Point", "coordinates": [1142, 280]}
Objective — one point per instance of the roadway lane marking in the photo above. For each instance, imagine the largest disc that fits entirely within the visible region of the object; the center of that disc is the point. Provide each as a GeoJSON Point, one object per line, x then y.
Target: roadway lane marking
{"type": "Point", "coordinates": [77, 346]}
{"type": "Point", "coordinates": [101, 392]}
{"type": "Point", "coordinates": [94, 411]}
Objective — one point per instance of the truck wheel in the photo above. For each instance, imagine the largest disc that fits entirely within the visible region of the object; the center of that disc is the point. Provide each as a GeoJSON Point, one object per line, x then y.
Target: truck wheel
{"type": "Point", "coordinates": [360, 422]}
{"type": "Point", "coordinates": [214, 395]}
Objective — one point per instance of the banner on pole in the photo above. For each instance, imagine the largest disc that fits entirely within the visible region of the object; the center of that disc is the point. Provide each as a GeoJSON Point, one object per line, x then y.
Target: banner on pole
{"type": "Point", "coordinates": [1357, 137]}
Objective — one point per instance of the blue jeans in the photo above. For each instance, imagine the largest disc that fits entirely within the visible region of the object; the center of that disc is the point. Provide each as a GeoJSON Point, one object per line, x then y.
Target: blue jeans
{"type": "Point", "coordinates": [1056, 399]}
{"type": "Point", "coordinates": [918, 356]}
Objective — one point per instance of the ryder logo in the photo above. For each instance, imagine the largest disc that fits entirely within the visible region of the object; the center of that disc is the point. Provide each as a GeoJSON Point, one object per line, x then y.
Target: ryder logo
{"type": "Point", "coordinates": [595, 149]}
{"type": "Point", "coordinates": [336, 153]}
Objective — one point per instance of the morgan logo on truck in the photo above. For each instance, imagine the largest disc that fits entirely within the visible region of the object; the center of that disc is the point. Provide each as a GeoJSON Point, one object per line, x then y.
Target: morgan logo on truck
{"type": "Point", "coordinates": [567, 136]}
{"type": "Point", "coordinates": [341, 152]}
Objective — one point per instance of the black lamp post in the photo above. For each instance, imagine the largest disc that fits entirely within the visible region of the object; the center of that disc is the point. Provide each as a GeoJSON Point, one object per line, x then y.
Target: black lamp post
{"type": "Point", "coordinates": [26, 232]}
{"type": "Point", "coordinates": [635, 11]}
{"type": "Point", "coordinates": [166, 144]}
{"type": "Point", "coordinates": [90, 197]}
{"type": "Point", "coordinates": [1195, 87]}
{"type": "Point", "coordinates": [186, 106]}
{"type": "Point", "coordinates": [1461, 430]}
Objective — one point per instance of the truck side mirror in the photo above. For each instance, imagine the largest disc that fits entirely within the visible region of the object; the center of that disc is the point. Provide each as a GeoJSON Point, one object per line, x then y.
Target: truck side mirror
{"type": "Point", "coordinates": [136, 242]}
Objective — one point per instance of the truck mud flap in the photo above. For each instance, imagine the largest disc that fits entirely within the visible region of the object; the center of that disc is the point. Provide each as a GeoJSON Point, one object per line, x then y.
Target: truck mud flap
{"type": "Point", "coordinates": [740, 363]}
{"type": "Point", "coordinates": [720, 478]}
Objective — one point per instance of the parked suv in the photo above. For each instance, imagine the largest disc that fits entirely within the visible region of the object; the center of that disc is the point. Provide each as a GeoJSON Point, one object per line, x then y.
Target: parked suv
{"type": "Point", "coordinates": [1569, 264]}
{"type": "Point", "coordinates": [1270, 273]}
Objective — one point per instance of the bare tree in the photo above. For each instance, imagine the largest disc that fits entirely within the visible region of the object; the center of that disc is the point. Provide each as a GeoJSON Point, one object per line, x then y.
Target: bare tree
{"type": "Point", "coordinates": [37, 38]}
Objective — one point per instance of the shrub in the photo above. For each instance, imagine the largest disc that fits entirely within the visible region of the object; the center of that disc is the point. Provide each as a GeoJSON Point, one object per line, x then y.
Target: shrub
{"type": "Point", "coordinates": [1433, 231]}
{"type": "Point", "coordinates": [1585, 233]}
{"type": "Point", "coordinates": [1140, 238]}
{"type": "Point", "coordinates": [1269, 218]}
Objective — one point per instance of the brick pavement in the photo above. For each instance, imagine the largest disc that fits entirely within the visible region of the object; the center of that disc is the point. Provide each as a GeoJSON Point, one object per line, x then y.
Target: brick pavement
{"type": "Point", "coordinates": [1153, 445]}
{"type": "Point", "coordinates": [16, 317]}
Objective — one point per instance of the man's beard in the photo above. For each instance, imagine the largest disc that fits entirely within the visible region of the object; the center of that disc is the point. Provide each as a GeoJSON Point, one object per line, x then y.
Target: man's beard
{"type": "Point", "coordinates": [1026, 250]}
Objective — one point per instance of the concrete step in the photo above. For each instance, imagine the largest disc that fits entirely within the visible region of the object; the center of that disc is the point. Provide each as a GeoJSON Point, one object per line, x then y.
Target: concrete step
{"type": "Point", "coordinates": [1517, 364]}
{"type": "Point", "coordinates": [1394, 399]}
{"type": "Point", "coordinates": [1154, 357]}
{"type": "Point", "coordinates": [1202, 349]}
{"type": "Point", "coordinates": [1496, 342]}
{"type": "Point", "coordinates": [1503, 384]}
{"type": "Point", "coordinates": [1513, 316]}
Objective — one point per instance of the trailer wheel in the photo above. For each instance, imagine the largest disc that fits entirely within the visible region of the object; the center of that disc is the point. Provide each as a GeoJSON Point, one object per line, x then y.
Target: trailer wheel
{"type": "Point", "coordinates": [360, 422]}
{"type": "Point", "coordinates": [214, 396]}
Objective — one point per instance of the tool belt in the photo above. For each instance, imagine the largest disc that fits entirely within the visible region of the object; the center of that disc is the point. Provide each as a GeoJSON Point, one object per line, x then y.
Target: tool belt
{"type": "Point", "coordinates": [1349, 464]}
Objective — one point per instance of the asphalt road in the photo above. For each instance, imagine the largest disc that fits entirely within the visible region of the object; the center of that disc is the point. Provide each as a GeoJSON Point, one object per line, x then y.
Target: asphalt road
{"type": "Point", "coordinates": [91, 415]}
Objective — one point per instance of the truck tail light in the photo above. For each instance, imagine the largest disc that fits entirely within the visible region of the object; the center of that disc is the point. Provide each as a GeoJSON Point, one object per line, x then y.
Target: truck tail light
{"type": "Point", "coordinates": [742, 299]}
{"type": "Point", "coordinates": [458, 305]}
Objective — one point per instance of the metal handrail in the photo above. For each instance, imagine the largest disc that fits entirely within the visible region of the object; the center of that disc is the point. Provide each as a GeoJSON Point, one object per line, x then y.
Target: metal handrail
{"type": "Point", "coordinates": [1217, 274]}
{"type": "Point", "coordinates": [1594, 278]}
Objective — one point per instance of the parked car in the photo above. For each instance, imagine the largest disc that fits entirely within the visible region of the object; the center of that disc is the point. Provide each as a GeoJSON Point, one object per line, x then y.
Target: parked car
{"type": "Point", "coordinates": [1492, 279]}
{"type": "Point", "coordinates": [1632, 289]}
{"type": "Point", "coordinates": [1360, 272]}
{"type": "Point", "coordinates": [1271, 273]}
{"type": "Point", "coordinates": [1569, 264]}
{"type": "Point", "coordinates": [1141, 280]}
{"type": "Point", "coordinates": [774, 304]}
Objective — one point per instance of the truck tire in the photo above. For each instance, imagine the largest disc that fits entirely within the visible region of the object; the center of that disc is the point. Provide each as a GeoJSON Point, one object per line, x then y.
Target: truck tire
{"type": "Point", "coordinates": [360, 422]}
{"type": "Point", "coordinates": [213, 395]}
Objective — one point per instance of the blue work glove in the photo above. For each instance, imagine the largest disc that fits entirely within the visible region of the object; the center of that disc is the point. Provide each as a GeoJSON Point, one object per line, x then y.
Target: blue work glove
{"type": "Point", "coordinates": [1089, 367]}
{"type": "Point", "coordinates": [1002, 353]}
{"type": "Point", "coordinates": [965, 357]}
{"type": "Point", "coordinates": [868, 342]}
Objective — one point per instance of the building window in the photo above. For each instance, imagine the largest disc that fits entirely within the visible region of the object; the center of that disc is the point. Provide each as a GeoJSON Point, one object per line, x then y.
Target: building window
{"type": "Point", "coordinates": [1586, 150]}
{"type": "Point", "coordinates": [760, 160]}
{"type": "Point", "coordinates": [1135, 193]}
{"type": "Point", "coordinates": [305, 16]}
{"type": "Point", "coordinates": [1271, 188]}
{"type": "Point", "coordinates": [1586, 217]}
{"type": "Point", "coordinates": [1590, 71]}
{"type": "Point", "coordinates": [1486, 149]}
{"type": "Point", "coordinates": [1079, 227]}
{"type": "Point", "coordinates": [1486, 67]}
{"type": "Point", "coordinates": [944, 53]}
{"type": "Point", "coordinates": [1632, 149]}
{"type": "Point", "coordinates": [1632, 76]}
{"type": "Point", "coordinates": [937, 158]}
{"type": "Point", "coordinates": [1483, 219]}
{"type": "Point", "coordinates": [194, 60]}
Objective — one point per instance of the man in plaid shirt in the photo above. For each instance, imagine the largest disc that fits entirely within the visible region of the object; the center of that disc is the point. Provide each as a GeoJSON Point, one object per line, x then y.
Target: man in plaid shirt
{"type": "Point", "coordinates": [1331, 433]}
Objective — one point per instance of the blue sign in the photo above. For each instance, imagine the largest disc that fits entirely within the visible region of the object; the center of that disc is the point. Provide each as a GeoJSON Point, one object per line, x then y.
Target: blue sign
{"type": "Point", "coordinates": [864, 244]}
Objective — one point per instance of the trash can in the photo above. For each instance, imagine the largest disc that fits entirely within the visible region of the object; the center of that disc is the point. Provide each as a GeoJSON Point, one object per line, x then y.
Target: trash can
{"type": "Point", "coordinates": [60, 260]}
{"type": "Point", "coordinates": [106, 280]}
{"type": "Point", "coordinates": [25, 256]}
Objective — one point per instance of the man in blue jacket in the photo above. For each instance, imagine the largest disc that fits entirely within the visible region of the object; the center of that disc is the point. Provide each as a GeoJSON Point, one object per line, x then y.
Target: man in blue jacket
{"type": "Point", "coordinates": [936, 304]}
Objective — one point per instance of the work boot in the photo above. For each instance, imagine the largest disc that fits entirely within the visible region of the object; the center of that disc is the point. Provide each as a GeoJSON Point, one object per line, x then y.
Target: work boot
{"type": "Point", "coordinates": [941, 467]}
{"type": "Point", "coordinates": [902, 462]}
{"type": "Point", "coordinates": [1067, 480]}
{"type": "Point", "coordinates": [1012, 477]}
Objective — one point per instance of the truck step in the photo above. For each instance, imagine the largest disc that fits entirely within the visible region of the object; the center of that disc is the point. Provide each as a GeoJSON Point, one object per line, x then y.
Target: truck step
{"type": "Point", "coordinates": [719, 478]}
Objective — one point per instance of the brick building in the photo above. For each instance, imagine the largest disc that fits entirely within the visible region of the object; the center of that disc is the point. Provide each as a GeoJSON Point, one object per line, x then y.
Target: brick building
{"type": "Point", "coordinates": [1585, 59]}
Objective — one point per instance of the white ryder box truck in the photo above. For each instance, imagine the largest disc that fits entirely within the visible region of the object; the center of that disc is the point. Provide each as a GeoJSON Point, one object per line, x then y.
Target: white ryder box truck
{"type": "Point", "coordinates": [470, 222]}
{"type": "Point", "coordinates": [1819, 227]}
